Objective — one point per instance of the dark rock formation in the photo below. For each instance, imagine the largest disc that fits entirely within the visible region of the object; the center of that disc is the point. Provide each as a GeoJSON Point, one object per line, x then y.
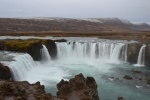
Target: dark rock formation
{"type": "Point", "coordinates": [35, 51]}
{"type": "Point", "coordinates": [11, 90]}
{"type": "Point", "coordinates": [52, 48]}
{"type": "Point", "coordinates": [5, 72]}
{"type": "Point", "coordinates": [61, 40]}
{"type": "Point", "coordinates": [128, 77]}
{"type": "Point", "coordinates": [133, 52]}
{"type": "Point", "coordinates": [121, 98]}
{"type": "Point", "coordinates": [147, 54]}
{"type": "Point", "coordinates": [78, 88]}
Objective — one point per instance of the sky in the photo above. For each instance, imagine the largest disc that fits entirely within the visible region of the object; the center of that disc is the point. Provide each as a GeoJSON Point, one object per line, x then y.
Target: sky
{"type": "Point", "coordinates": [132, 10]}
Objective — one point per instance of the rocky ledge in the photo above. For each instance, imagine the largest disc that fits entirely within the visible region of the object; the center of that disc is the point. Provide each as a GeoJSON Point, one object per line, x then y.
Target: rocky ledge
{"type": "Point", "coordinates": [12, 90]}
{"type": "Point", "coordinates": [77, 88]}
{"type": "Point", "coordinates": [30, 46]}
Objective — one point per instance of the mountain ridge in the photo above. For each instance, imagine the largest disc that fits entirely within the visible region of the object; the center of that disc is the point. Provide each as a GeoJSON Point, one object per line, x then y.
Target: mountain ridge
{"type": "Point", "coordinates": [56, 24]}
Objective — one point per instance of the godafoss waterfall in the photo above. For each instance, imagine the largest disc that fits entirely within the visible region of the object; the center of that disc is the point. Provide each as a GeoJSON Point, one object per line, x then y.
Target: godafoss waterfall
{"type": "Point", "coordinates": [120, 68]}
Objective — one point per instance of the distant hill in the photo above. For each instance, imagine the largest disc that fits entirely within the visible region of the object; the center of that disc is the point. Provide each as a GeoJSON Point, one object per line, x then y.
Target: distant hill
{"type": "Point", "coordinates": [49, 24]}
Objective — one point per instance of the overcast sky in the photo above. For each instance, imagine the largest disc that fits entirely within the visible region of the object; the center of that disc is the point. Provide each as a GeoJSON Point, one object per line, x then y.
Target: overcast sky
{"type": "Point", "coordinates": [133, 10]}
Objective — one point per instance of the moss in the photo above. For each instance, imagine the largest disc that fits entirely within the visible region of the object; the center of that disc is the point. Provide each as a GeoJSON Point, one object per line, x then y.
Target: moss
{"type": "Point", "coordinates": [22, 45]}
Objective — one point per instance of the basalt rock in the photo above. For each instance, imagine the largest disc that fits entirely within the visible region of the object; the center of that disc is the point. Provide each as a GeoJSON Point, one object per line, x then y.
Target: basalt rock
{"type": "Point", "coordinates": [52, 48]}
{"type": "Point", "coordinates": [147, 54]}
{"type": "Point", "coordinates": [35, 51]}
{"type": "Point", "coordinates": [5, 72]}
{"type": "Point", "coordinates": [78, 88]}
{"type": "Point", "coordinates": [133, 52]}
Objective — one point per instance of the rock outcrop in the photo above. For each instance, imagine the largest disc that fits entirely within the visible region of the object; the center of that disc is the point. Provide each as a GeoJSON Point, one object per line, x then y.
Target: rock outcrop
{"type": "Point", "coordinates": [52, 48]}
{"type": "Point", "coordinates": [147, 54]}
{"type": "Point", "coordinates": [78, 88]}
{"type": "Point", "coordinates": [5, 72]}
{"type": "Point", "coordinates": [133, 52]}
{"type": "Point", "coordinates": [30, 46]}
{"type": "Point", "coordinates": [11, 90]}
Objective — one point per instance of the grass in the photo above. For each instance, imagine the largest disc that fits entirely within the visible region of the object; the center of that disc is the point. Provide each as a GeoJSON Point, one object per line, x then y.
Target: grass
{"type": "Point", "coordinates": [22, 45]}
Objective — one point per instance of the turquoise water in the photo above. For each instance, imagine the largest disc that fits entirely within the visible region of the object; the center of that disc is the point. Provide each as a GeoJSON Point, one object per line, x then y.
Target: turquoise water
{"type": "Point", "coordinates": [51, 73]}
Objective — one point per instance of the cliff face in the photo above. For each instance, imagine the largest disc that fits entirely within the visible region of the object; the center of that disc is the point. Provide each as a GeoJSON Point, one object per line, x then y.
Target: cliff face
{"type": "Point", "coordinates": [147, 55]}
{"type": "Point", "coordinates": [133, 52]}
{"type": "Point", "coordinates": [30, 46]}
{"type": "Point", "coordinates": [52, 48]}
{"type": "Point", "coordinates": [5, 72]}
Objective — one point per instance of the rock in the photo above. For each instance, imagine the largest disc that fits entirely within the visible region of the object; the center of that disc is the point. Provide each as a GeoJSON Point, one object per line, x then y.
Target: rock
{"type": "Point", "coordinates": [52, 48]}
{"type": "Point", "coordinates": [23, 91]}
{"type": "Point", "coordinates": [30, 46]}
{"type": "Point", "coordinates": [121, 98]}
{"type": "Point", "coordinates": [127, 77]}
{"type": "Point", "coordinates": [61, 40]}
{"type": "Point", "coordinates": [90, 82]}
{"type": "Point", "coordinates": [148, 80]}
{"type": "Point", "coordinates": [35, 51]}
{"type": "Point", "coordinates": [147, 55]}
{"type": "Point", "coordinates": [78, 88]}
{"type": "Point", "coordinates": [5, 72]}
{"type": "Point", "coordinates": [133, 52]}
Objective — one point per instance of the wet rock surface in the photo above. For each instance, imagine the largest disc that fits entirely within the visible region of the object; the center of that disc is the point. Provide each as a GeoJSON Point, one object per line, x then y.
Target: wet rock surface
{"type": "Point", "coordinates": [128, 77]}
{"type": "Point", "coordinates": [133, 52]}
{"type": "Point", "coordinates": [5, 72]}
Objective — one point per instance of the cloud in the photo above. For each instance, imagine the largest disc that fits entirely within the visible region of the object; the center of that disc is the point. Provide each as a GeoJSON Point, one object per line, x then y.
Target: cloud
{"type": "Point", "coordinates": [134, 10]}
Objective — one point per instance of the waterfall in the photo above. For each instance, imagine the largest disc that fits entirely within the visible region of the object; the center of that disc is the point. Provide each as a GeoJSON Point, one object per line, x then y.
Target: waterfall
{"type": "Point", "coordinates": [123, 53]}
{"type": "Point", "coordinates": [141, 56]}
{"type": "Point", "coordinates": [20, 66]}
{"type": "Point", "coordinates": [45, 54]}
{"type": "Point", "coordinates": [116, 52]}
{"type": "Point", "coordinates": [89, 50]}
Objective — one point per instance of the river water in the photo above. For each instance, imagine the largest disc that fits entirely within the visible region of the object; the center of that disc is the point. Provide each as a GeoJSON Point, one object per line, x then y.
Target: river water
{"type": "Point", "coordinates": [90, 56]}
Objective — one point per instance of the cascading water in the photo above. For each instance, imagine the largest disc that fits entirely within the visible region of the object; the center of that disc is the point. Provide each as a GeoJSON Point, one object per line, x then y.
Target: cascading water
{"type": "Point", "coordinates": [21, 65]}
{"type": "Point", "coordinates": [89, 50]}
{"type": "Point", "coordinates": [123, 53]}
{"type": "Point", "coordinates": [45, 54]}
{"type": "Point", "coordinates": [95, 59]}
{"type": "Point", "coordinates": [141, 57]}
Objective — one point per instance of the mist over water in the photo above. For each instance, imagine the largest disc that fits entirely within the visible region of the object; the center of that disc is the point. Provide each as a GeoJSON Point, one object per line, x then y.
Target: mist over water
{"type": "Point", "coordinates": [96, 59]}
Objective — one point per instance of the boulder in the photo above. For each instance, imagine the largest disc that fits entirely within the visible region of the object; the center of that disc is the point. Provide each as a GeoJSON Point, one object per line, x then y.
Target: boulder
{"type": "Point", "coordinates": [5, 72]}
{"type": "Point", "coordinates": [133, 52]}
{"type": "Point", "coordinates": [78, 88]}
{"type": "Point", "coordinates": [121, 98]}
{"type": "Point", "coordinates": [128, 77]}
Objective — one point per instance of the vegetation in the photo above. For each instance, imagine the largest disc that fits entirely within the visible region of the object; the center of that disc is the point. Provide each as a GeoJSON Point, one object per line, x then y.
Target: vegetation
{"type": "Point", "coordinates": [22, 45]}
